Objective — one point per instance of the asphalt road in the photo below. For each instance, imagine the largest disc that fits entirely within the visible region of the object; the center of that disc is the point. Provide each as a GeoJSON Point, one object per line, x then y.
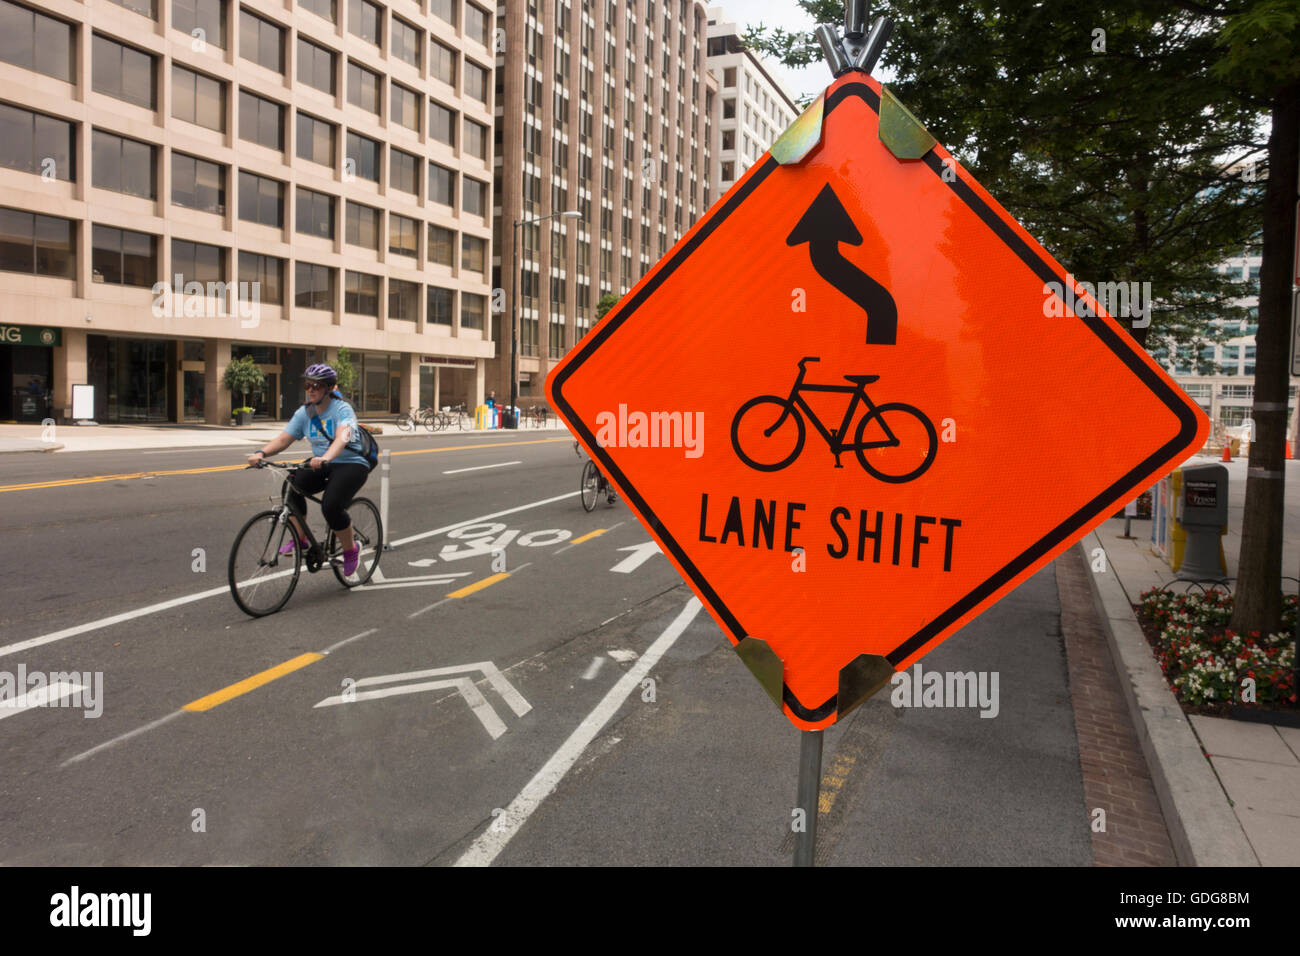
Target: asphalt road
{"type": "Point", "coordinates": [583, 710]}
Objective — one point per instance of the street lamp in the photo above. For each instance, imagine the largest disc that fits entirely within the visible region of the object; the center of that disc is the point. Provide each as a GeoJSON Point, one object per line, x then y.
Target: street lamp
{"type": "Point", "coordinates": [516, 280]}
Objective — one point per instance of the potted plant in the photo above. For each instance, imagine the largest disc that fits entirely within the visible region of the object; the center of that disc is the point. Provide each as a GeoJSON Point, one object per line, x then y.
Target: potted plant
{"type": "Point", "coordinates": [243, 376]}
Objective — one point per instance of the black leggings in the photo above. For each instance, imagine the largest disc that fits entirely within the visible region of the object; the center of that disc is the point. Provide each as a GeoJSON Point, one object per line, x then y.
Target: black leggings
{"type": "Point", "coordinates": [341, 484]}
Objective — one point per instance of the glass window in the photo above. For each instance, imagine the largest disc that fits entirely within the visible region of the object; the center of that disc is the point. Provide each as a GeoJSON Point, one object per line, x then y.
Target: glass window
{"type": "Point", "coordinates": [403, 299]}
{"type": "Point", "coordinates": [315, 140]}
{"type": "Point", "coordinates": [442, 185]}
{"type": "Point", "coordinates": [261, 41]}
{"type": "Point", "coordinates": [264, 273]}
{"type": "Point", "coordinates": [442, 123]}
{"type": "Point", "coordinates": [35, 42]}
{"type": "Point", "coordinates": [441, 305]}
{"type": "Point", "coordinates": [472, 308]}
{"type": "Point", "coordinates": [122, 165]}
{"type": "Point", "coordinates": [362, 226]}
{"type": "Point", "coordinates": [198, 99]}
{"type": "Point", "coordinates": [476, 139]}
{"type": "Point", "coordinates": [474, 198]}
{"type": "Point", "coordinates": [122, 257]}
{"type": "Point", "coordinates": [198, 262]}
{"type": "Point", "coordinates": [478, 24]}
{"type": "Point", "coordinates": [146, 8]}
{"type": "Point", "coordinates": [363, 88]}
{"type": "Point", "coordinates": [313, 286]}
{"type": "Point", "coordinates": [122, 72]}
{"type": "Point", "coordinates": [261, 199]}
{"type": "Point", "coordinates": [36, 245]}
{"type": "Point", "coordinates": [315, 213]}
{"type": "Point", "coordinates": [404, 107]}
{"type": "Point", "coordinates": [403, 171]}
{"type": "Point", "coordinates": [442, 63]}
{"type": "Point", "coordinates": [407, 41]}
{"type": "Point", "coordinates": [202, 19]}
{"type": "Point", "coordinates": [365, 20]}
{"type": "Point", "coordinates": [403, 235]}
{"type": "Point", "coordinates": [34, 143]}
{"type": "Point", "coordinates": [315, 66]}
{"type": "Point", "coordinates": [446, 10]}
{"type": "Point", "coordinates": [441, 243]}
{"type": "Point", "coordinates": [476, 81]}
{"type": "Point", "coordinates": [361, 294]}
{"type": "Point", "coordinates": [198, 184]}
{"type": "Point", "coordinates": [322, 8]}
{"type": "Point", "coordinates": [261, 121]}
{"type": "Point", "coordinates": [364, 154]}
{"type": "Point", "coordinates": [473, 254]}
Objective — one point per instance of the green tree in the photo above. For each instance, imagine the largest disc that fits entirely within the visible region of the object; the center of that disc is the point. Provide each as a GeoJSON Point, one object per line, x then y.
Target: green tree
{"type": "Point", "coordinates": [1124, 135]}
{"type": "Point", "coordinates": [243, 376]}
{"type": "Point", "coordinates": [347, 372]}
{"type": "Point", "coordinates": [607, 302]}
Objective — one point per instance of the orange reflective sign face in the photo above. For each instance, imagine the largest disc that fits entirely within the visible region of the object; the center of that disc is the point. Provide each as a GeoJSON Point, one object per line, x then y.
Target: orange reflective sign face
{"type": "Point", "coordinates": [857, 404]}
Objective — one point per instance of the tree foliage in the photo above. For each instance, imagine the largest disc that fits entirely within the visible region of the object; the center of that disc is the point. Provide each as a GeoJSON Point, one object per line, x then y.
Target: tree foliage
{"type": "Point", "coordinates": [243, 376]}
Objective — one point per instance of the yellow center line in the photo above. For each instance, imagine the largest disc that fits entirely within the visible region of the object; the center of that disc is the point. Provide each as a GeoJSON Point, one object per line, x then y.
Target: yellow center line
{"type": "Point", "coordinates": [93, 479]}
{"type": "Point", "coordinates": [251, 683]}
{"type": "Point", "coordinates": [479, 585]}
{"type": "Point", "coordinates": [589, 536]}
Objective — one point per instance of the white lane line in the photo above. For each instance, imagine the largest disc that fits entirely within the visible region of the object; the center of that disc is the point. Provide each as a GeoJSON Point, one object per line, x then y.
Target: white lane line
{"type": "Point", "coordinates": [500, 464]}
{"type": "Point", "coordinates": [493, 724]}
{"type": "Point", "coordinates": [354, 637]}
{"type": "Point", "coordinates": [8, 649]}
{"type": "Point", "coordinates": [429, 608]}
{"type": "Point", "coordinates": [593, 668]}
{"type": "Point", "coordinates": [41, 697]}
{"type": "Point", "coordinates": [117, 740]}
{"type": "Point", "coordinates": [490, 671]}
{"type": "Point", "coordinates": [489, 844]}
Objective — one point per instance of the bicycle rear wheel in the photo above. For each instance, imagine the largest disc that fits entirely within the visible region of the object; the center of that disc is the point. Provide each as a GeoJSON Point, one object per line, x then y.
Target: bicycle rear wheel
{"type": "Point", "coordinates": [261, 578]}
{"type": "Point", "coordinates": [369, 534]}
{"type": "Point", "coordinates": [590, 485]}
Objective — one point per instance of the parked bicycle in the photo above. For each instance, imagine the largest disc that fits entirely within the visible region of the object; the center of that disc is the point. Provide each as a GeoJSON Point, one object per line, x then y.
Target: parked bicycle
{"type": "Point", "coordinates": [409, 421]}
{"type": "Point", "coordinates": [267, 557]}
{"type": "Point", "coordinates": [593, 483]}
{"type": "Point", "coordinates": [537, 416]}
{"type": "Point", "coordinates": [453, 416]}
{"type": "Point", "coordinates": [766, 452]}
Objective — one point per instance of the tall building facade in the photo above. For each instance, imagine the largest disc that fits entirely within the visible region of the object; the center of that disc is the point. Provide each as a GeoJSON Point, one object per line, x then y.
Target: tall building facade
{"type": "Point", "coordinates": [754, 107]}
{"type": "Point", "coordinates": [185, 182]}
{"type": "Point", "coordinates": [1227, 393]}
{"type": "Point", "coordinates": [603, 109]}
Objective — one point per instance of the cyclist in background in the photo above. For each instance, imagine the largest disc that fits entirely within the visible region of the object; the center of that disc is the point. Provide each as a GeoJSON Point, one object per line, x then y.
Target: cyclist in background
{"type": "Point", "coordinates": [330, 424]}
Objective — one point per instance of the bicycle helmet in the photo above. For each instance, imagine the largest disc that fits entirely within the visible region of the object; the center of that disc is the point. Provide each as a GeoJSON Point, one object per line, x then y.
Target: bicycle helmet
{"type": "Point", "coordinates": [321, 373]}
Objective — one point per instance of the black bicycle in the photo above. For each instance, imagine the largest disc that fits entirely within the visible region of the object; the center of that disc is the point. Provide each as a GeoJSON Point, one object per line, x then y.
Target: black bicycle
{"type": "Point", "coordinates": [594, 484]}
{"type": "Point", "coordinates": [267, 556]}
{"type": "Point", "coordinates": [891, 458]}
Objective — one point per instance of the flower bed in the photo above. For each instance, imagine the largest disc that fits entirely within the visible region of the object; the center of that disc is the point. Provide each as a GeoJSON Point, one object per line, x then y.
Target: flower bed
{"type": "Point", "coordinates": [1205, 662]}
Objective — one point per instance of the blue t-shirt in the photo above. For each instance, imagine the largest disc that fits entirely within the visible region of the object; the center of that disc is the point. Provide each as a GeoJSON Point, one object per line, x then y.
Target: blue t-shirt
{"type": "Point", "coordinates": [338, 413]}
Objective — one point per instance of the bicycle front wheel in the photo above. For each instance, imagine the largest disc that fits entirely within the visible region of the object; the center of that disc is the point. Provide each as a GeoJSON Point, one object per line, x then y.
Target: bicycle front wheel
{"type": "Point", "coordinates": [590, 485]}
{"type": "Point", "coordinates": [405, 422]}
{"type": "Point", "coordinates": [261, 578]}
{"type": "Point", "coordinates": [369, 534]}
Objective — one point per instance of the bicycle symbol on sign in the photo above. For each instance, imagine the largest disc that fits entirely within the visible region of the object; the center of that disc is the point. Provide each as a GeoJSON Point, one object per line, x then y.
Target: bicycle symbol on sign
{"type": "Point", "coordinates": [890, 459]}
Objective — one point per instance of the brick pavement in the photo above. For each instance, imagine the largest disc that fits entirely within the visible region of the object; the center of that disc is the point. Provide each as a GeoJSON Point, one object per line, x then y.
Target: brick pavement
{"type": "Point", "coordinates": [1115, 775]}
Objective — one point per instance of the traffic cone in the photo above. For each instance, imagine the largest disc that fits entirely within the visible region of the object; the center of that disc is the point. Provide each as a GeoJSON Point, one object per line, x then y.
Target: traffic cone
{"type": "Point", "coordinates": [1227, 453]}
{"type": "Point", "coordinates": [1288, 451]}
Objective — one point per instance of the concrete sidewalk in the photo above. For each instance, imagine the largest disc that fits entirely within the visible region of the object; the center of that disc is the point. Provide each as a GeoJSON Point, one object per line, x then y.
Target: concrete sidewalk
{"type": "Point", "coordinates": [1229, 789]}
{"type": "Point", "coordinates": [73, 438]}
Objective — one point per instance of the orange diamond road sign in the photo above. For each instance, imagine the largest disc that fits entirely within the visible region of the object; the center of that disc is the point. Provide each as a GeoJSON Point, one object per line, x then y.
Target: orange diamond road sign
{"type": "Point", "coordinates": [857, 404]}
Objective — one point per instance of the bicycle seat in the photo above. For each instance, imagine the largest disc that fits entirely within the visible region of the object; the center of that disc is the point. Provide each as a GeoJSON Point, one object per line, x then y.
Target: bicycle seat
{"type": "Point", "coordinates": [861, 379]}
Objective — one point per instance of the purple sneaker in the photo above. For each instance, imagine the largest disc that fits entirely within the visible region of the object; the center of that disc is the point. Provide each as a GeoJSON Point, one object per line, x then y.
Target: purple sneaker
{"type": "Point", "coordinates": [287, 547]}
{"type": "Point", "coordinates": [351, 557]}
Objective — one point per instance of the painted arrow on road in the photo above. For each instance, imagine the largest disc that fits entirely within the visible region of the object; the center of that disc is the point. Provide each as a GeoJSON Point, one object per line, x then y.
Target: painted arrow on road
{"type": "Point", "coordinates": [465, 686]}
{"type": "Point", "coordinates": [641, 553]}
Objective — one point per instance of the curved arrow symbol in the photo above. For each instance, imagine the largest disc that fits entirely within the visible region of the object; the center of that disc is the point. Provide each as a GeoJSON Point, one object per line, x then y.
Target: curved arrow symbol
{"type": "Point", "coordinates": [824, 226]}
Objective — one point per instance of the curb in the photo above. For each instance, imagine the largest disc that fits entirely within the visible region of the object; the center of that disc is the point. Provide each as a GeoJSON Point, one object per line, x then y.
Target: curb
{"type": "Point", "coordinates": [1202, 825]}
{"type": "Point", "coordinates": [51, 446]}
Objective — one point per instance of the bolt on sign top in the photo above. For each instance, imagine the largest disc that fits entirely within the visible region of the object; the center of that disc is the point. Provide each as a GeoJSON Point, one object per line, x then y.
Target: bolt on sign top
{"type": "Point", "coordinates": [847, 410]}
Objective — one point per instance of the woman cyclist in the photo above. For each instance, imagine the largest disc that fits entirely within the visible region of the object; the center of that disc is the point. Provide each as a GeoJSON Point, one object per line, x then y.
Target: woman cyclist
{"type": "Point", "coordinates": [330, 424]}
